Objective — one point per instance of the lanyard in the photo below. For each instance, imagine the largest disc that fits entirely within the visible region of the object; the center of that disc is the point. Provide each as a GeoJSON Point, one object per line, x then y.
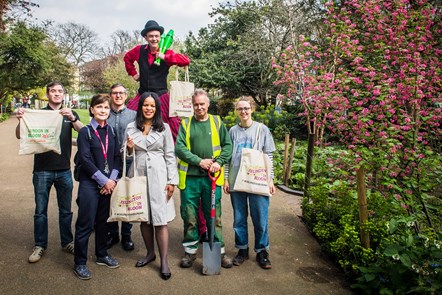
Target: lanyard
{"type": "Point", "coordinates": [104, 148]}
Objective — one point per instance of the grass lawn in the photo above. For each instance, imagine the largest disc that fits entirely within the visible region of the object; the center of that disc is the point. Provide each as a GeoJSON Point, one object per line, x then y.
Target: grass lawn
{"type": "Point", "coordinates": [84, 118]}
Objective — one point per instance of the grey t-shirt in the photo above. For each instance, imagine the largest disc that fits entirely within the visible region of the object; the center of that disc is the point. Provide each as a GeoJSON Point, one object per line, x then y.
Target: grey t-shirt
{"type": "Point", "coordinates": [119, 120]}
{"type": "Point", "coordinates": [245, 138]}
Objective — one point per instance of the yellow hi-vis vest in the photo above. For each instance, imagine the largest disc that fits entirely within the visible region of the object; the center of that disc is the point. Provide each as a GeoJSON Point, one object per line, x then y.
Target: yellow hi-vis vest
{"type": "Point", "coordinates": [216, 147]}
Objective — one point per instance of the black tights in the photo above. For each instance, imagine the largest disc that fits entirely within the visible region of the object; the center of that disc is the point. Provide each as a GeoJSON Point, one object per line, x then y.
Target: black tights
{"type": "Point", "coordinates": [162, 237]}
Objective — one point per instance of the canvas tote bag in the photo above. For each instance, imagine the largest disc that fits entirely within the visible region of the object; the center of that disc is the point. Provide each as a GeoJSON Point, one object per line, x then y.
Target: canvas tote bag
{"type": "Point", "coordinates": [180, 104]}
{"type": "Point", "coordinates": [40, 132]}
{"type": "Point", "coordinates": [254, 171]}
{"type": "Point", "coordinates": [129, 199]}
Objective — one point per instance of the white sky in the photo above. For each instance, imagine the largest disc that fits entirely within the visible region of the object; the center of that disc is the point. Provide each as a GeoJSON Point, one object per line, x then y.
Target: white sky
{"type": "Point", "coordinates": [106, 16]}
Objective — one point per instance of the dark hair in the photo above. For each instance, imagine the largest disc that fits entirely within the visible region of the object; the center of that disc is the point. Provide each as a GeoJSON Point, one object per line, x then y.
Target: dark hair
{"type": "Point", "coordinates": [98, 99]}
{"type": "Point", "coordinates": [52, 84]}
{"type": "Point", "coordinates": [157, 120]}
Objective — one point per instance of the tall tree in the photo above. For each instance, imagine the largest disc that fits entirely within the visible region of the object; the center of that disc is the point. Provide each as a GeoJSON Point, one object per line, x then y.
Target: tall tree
{"type": "Point", "coordinates": [235, 53]}
{"type": "Point", "coordinates": [77, 41]}
{"type": "Point", "coordinates": [14, 7]}
{"type": "Point", "coordinates": [121, 41]}
{"type": "Point", "coordinates": [28, 59]}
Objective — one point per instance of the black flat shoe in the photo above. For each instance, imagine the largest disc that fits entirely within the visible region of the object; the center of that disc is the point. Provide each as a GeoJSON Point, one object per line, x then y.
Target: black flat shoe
{"type": "Point", "coordinates": [165, 275]}
{"type": "Point", "coordinates": [143, 262]}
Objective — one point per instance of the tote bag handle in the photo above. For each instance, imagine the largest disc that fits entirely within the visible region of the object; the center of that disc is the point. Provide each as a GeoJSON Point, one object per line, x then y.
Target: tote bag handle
{"type": "Point", "coordinates": [124, 161]}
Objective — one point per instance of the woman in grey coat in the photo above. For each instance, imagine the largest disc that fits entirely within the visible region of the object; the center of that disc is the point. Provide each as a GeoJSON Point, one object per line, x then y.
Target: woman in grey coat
{"type": "Point", "coordinates": [151, 142]}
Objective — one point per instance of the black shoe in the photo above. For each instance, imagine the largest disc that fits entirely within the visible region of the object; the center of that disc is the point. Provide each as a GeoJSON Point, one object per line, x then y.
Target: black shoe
{"type": "Point", "coordinates": [127, 243]}
{"type": "Point", "coordinates": [263, 259]}
{"type": "Point", "coordinates": [243, 255]}
{"type": "Point", "coordinates": [166, 275]}
{"type": "Point", "coordinates": [112, 240]}
{"type": "Point", "coordinates": [143, 261]}
{"type": "Point", "coordinates": [107, 261]}
{"type": "Point", "coordinates": [187, 260]}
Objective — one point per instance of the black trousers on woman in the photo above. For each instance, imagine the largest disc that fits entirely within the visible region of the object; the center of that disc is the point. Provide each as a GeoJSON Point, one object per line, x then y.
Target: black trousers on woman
{"type": "Point", "coordinates": [93, 210]}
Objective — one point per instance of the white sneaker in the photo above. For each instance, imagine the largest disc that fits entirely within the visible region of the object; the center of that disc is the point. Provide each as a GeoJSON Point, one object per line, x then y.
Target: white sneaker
{"type": "Point", "coordinates": [69, 248]}
{"type": "Point", "coordinates": [36, 254]}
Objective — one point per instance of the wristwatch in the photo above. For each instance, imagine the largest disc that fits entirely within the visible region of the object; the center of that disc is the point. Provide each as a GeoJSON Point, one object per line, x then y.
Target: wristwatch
{"type": "Point", "coordinates": [75, 120]}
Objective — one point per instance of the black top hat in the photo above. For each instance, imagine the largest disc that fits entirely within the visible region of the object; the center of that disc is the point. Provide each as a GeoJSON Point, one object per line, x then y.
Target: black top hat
{"type": "Point", "coordinates": [152, 25]}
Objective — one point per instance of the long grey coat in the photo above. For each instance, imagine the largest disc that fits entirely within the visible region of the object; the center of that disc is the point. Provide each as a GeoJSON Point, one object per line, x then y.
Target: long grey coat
{"type": "Point", "coordinates": [156, 159]}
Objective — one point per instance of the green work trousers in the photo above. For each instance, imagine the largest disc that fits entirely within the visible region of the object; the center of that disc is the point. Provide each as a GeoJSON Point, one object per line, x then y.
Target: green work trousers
{"type": "Point", "coordinates": [197, 188]}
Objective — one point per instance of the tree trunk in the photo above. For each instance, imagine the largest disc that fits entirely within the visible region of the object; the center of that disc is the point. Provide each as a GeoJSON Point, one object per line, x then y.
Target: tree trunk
{"type": "Point", "coordinates": [363, 210]}
{"type": "Point", "coordinates": [308, 168]}
{"type": "Point", "coordinates": [286, 152]}
{"type": "Point", "coordinates": [288, 173]}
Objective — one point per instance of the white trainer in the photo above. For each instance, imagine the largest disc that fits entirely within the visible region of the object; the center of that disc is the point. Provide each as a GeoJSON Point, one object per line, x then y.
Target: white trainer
{"type": "Point", "coordinates": [69, 248]}
{"type": "Point", "coordinates": [36, 254]}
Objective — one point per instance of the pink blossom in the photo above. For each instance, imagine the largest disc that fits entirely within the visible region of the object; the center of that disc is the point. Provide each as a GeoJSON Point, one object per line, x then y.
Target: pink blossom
{"type": "Point", "coordinates": [376, 91]}
{"type": "Point", "coordinates": [393, 174]}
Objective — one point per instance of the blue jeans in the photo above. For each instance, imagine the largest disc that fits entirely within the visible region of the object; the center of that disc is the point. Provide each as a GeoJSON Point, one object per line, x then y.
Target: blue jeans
{"type": "Point", "coordinates": [43, 181]}
{"type": "Point", "coordinates": [259, 212]}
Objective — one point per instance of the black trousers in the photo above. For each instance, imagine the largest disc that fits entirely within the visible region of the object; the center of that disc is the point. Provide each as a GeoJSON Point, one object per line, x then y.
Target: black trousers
{"type": "Point", "coordinates": [93, 211]}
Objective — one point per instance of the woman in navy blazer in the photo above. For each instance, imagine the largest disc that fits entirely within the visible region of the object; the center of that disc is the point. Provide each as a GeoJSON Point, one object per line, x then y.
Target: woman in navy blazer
{"type": "Point", "coordinates": [100, 161]}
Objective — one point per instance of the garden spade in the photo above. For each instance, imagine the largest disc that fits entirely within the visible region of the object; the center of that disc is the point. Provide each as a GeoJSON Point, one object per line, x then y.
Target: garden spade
{"type": "Point", "coordinates": [212, 250]}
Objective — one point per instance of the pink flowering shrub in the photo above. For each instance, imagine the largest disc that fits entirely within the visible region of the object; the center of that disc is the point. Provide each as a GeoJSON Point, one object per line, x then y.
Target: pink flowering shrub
{"type": "Point", "coordinates": [375, 82]}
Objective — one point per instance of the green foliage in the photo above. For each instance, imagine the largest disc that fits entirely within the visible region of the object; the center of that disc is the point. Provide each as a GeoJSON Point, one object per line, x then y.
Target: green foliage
{"type": "Point", "coordinates": [404, 253]}
{"type": "Point", "coordinates": [405, 262]}
{"type": "Point", "coordinates": [267, 116]}
{"type": "Point", "coordinates": [84, 118]}
{"type": "Point", "coordinates": [222, 107]}
{"type": "Point", "coordinates": [4, 117]}
{"type": "Point", "coordinates": [40, 61]}
{"type": "Point", "coordinates": [116, 73]}
{"type": "Point", "coordinates": [235, 53]}
{"type": "Point", "coordinates": [296, 124]}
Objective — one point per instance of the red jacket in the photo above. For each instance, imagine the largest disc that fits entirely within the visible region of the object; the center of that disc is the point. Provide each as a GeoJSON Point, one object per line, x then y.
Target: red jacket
{"type": "Point", "coordinates": [171, 58]}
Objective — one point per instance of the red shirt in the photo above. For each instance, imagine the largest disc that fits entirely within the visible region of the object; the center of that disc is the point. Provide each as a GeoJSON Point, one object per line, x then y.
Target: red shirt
{"type": "Point", "coordinates": [171, 59]}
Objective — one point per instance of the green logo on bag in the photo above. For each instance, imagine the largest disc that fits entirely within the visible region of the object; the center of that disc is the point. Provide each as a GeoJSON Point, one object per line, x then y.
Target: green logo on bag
{"type": "Point", "coordinates": [41, 135]}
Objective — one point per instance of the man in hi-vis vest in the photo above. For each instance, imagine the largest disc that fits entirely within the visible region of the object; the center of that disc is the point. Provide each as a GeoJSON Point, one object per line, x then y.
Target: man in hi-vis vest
{"type": "Point", "coordinates": [203, 144]}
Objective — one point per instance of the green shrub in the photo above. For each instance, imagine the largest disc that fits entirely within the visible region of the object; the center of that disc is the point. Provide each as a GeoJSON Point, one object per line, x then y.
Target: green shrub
{"type": "Point", "coordinates": [4, 117]}
{"type": "Point", "coordinates": [405, 245]}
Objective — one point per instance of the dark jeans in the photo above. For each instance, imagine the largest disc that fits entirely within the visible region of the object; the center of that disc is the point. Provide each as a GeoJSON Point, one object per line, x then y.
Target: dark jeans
{"type": "Point", "coordinates": [43, 181]}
